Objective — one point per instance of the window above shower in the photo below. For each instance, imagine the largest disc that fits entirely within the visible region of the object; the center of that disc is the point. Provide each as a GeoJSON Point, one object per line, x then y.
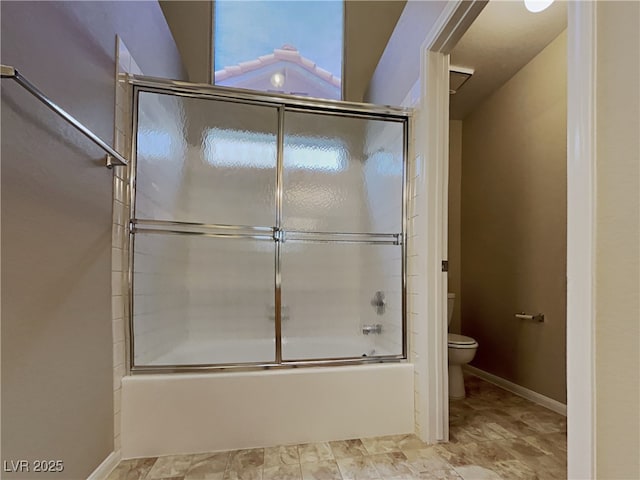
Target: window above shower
{"type": "Point", "coordinates": [280, 46]}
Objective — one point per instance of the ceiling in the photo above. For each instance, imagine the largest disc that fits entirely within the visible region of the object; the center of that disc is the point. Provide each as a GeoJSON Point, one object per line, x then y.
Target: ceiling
{"type": "Point", "coordinates": [502, 40]}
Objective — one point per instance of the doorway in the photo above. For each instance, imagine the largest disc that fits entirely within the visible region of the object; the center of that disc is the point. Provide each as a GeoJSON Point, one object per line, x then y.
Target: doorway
{"type": "Point", "coordinates": [580, 219]}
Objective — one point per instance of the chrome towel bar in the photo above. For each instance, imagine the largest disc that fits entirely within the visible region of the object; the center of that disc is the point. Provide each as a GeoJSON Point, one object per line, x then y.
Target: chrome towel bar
{"type": "Point", "coordinates": [113, 157]}
{"type": "Point", "coordinates": [537, 317]}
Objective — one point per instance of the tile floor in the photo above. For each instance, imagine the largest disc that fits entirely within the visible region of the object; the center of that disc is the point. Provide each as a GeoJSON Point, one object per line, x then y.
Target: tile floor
{"type": "Point", "coordinates": [494, 435]}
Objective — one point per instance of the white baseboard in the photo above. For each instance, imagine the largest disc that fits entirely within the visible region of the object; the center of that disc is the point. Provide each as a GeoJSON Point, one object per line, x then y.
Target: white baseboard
{"type": "Point", "coordinates": [106, 467]}
{"type": "Point", "coordinates": [535, 397]}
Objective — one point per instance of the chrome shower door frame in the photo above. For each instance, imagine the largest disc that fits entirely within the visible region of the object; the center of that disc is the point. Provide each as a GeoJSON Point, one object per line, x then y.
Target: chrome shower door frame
{"type": "Point", "coordinates": [282, 103]}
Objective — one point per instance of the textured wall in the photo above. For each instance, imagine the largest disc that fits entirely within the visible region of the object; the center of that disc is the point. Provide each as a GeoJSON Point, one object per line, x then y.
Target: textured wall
{"type": "Point", "coordinates": [190, 24]}
{"type": "Point", "coordinates": [399, 65]}
{"type": "Point", "coordinates": [617, 264]}
{"type": "Point", "coordinates": [454, 249]}
{"type": "Point", "coordinates": [368, 27]}
{"type": "Point", "coordinates": [57, 376]}
{"type": "Point", "coordinates": [514, 225]}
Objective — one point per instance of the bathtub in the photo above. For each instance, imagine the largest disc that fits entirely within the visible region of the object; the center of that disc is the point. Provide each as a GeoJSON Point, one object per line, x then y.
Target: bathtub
{"type": "Point", "coordinates": [163, 414]}
{"type": "Point", "coordinates": [197, 352]}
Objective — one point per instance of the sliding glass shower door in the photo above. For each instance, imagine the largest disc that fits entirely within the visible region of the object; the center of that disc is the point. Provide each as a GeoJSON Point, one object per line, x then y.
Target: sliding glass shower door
{"type": "Point", "coordinates": [342, 217]}
{"type": "Point", "coordinates": [203, 267]}
{"type": "Point", "coordinates": [264, 233]}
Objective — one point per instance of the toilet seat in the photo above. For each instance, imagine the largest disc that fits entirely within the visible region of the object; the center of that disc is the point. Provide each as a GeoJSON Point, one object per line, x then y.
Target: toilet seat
{"type": "Point", "coordinates": [460, 341]}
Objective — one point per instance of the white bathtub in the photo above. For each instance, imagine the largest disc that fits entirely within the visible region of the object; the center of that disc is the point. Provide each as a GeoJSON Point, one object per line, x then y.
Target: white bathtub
{"type": "Point", "coordinates": [196, 352]}
{"type": "Point", "coordinates": [166, 414]}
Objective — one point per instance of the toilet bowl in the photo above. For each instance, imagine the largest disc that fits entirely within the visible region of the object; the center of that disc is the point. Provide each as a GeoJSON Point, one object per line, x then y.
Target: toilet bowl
{"type": "Point", "coordinates": [461, 350]}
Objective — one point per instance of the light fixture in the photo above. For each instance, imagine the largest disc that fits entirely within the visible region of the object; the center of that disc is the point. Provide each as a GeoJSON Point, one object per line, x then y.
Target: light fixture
{"type": "Point", "coordinates": [277, 80]}
{"type": "Point", "coordinates": [536, 6]}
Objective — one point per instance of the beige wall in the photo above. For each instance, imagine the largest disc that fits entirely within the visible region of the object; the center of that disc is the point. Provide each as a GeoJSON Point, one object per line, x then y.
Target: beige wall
{"type": "Point", "coordinates": [617, 233]}
{"type": "Point", "coordinates": [368, 26]}
{"type": "Point", "coordinates": [454, 247]}
{"type": "Point", "coordinates": [399, 66]}
{"type": "Point", "coordinates": [514, 225]}
{"type": "Point", "coordinates": [190, 23]}
{"type": "Point", "coordinates": [57, 376]}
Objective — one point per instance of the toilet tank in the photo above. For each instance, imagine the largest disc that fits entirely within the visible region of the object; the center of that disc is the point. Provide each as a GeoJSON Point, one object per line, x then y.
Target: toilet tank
{"type": "Point", "coordinates": [451, 300]}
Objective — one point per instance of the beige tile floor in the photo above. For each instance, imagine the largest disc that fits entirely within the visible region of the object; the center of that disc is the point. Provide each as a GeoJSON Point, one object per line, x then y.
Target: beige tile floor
{"type": "Point", "coordinates": [494, 435]}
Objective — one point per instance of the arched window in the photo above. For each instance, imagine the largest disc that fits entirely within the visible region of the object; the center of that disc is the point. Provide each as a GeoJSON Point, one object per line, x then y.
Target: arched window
{"type": "Point", "coordinates": [293, 47]}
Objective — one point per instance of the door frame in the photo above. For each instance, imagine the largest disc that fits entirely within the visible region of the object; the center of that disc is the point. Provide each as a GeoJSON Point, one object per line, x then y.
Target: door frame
{"type": "Point", "coordinates": [433, 144]}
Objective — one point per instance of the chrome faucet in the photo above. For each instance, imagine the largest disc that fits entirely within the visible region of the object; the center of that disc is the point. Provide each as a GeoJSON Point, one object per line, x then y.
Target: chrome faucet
{"type": "Point", "coordinates": [376, 328]}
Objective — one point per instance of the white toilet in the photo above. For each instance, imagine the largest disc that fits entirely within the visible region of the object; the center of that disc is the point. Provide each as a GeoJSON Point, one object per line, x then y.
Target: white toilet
{"type": "Point", "coordinates": [461, 351]}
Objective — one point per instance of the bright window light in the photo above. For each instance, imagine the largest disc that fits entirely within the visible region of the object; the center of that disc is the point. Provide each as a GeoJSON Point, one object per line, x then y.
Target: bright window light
{"type": "Point", "coordinates": [241, 149]}
{"type": "Point", "coordinates": [154, 144]}
{"type": "Point", "coordinates": [292, 47]}
{"type": "Point", "coordinates": [386, 163]}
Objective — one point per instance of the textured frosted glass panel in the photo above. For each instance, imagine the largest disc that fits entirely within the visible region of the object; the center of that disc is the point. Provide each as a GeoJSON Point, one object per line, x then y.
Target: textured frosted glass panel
{"type": "Point", "coordinates": [203, 300]}
{"type": "Point", "coordinates": [206, 161]}
{"type": "Point", "coordinates": [342, 174]}
{"type": "Point", "coordinates": [326, 296]}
